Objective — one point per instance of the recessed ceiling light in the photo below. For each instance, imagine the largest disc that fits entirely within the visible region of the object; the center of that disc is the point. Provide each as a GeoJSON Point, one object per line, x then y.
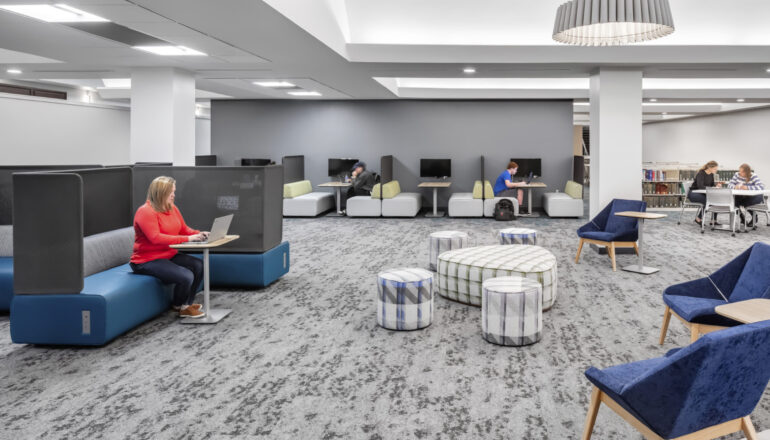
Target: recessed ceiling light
{"type": "Point", "coordinates": [58, 13]}
{"type": "Point", "coordinates": [170, 50]}
{"type": "Point", "coordinates": [304, 93]}
{"type": "Point", "coordinates": [664, 113]}
{"type": "Point", "coordinates": [14, 71]}
{"type": "Point", "coordinates": [117, 83]}
{"type": "Point", "coordinates": [740, 100]}
{"type": "Point", "coordinates": [653, 100]}
{"type": "Point", "coordinates": [274, 84]}
{"type": "Point", "coordinates": [88, 89]}
{"type": "Point", "coordinates": [768, 70]}
{"type": "Point", "coordinates": [469, 70]}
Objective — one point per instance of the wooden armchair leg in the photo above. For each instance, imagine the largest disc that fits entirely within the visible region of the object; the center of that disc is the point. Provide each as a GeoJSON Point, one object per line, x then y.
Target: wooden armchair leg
{"type": "Point", "coordinates": [694, 332]}
{"type": "Point", "coordinates": [748, 428]}
{"type": "Point", "coordinates": [664, 327]}
{"type": "Point", "coordinates": [580, 249]}
{"type": "Point", "coordinates": [593, 410]}
{"type": "Point", "coordinates": [611, 250]}
{"type": "Point", "coordinates": [636, 248]}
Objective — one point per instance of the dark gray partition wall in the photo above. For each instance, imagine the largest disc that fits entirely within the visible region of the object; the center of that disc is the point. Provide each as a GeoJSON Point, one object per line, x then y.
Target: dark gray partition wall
{"type": "Point", "coordinates": [6, 184]}
{"type": "Point", "coordinates": [483, 178]}
{"type": "Point", "coordinates": [293, 168]}
{"type": "Point", "coordinates": [107, 199]}
{"type": "Point", "coordinates": [410, 130]}
{"type": "Point", "coordinates": [48, 233]}
{"type": "Point", "coordinates": [386, 169]}
{"type": "Point", "coordinates": [253, 194]}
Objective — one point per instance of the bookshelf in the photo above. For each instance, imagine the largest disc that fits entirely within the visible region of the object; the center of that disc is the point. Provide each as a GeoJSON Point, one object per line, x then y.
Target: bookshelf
{"type": "Point", "coordinates": [663, 183]}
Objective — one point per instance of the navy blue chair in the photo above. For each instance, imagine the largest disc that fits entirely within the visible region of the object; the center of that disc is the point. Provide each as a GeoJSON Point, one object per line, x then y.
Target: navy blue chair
{"type": "Point", "coordinates": [702, 391]}
{"type": "Point", "coordinates": [745, 277]}
{"type": "Point", "coordinates": [610, 230]}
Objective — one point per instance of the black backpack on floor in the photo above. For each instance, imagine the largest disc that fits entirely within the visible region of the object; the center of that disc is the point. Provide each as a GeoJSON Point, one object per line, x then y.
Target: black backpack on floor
{"type": "Point", "coordinates": [504, 210]}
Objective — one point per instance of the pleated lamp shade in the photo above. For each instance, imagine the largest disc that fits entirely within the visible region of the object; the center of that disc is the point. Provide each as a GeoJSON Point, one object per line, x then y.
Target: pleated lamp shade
{"type": "Point", "coordinates": [612, 22]}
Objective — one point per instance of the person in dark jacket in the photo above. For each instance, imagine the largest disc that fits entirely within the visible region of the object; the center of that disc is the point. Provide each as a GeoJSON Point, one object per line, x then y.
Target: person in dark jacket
{"type": "Point", "coordinates": [361, 183]}
{"type": "Point", "coordinates": [703, 179]}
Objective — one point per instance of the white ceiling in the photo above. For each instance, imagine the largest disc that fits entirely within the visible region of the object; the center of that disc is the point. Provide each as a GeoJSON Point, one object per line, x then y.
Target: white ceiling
{"type": "Point", "coordinates": [386, 49]}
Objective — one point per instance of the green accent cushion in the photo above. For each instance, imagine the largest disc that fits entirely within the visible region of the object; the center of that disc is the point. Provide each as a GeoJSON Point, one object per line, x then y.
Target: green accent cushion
{"type": "Point", "coordinates": [574, 189]}
{"type": "Point", "coordinates": [296, 189]}
{"type": "Point", "coordinates": [389, 190]}
{"type": "Point", "coordinates": [489, 193]}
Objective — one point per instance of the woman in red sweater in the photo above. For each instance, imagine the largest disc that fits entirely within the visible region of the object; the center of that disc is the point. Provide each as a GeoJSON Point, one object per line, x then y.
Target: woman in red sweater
{"type": "Point", "coordinates": [158, 224]}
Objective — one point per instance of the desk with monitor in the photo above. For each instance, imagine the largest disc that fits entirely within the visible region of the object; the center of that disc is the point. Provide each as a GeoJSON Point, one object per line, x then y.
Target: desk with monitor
{"type": "Point", "coordinates": [437, 169]}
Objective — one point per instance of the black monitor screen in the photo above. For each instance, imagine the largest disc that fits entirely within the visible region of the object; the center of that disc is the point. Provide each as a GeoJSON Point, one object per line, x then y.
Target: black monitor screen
{"type": "Point", "coordinates": [340, 167]}
{"type": "Point", "coordinates": [435, 167]}
{"type": "Point", "coordinates": [528, 165]}
{"type": "Point", "coordinates": [255, 162]}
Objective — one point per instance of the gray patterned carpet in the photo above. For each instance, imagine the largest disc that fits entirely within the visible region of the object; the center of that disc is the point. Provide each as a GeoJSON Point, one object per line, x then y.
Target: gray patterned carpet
{"type": "Point", "coordinates": [304, 358]}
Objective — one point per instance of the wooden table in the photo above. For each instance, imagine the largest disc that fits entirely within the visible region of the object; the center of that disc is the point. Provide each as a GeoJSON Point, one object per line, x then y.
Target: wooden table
{"type": "Point", "coordinates": [641, 216]}
{"type": "Point", "coordinates": [528, 187]}
{"type": "Point", "coordinates": [338, 188]}
{"type": "Point", "coordinates": [751, 310]}
{"type": "Point", "coordinates": [212, 315]}
{"type": "Point", "coordinates": [435, 186]}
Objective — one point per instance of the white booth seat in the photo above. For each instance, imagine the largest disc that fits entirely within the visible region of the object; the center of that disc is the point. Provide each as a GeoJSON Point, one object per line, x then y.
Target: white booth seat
{"type": "Point", "coordinates": [566, 204]}
{"type": "Point", "coordinates": [363, 206]}
{"type": "Point", "coordinates": [464, 205]}
{"type": "Point", "coordinates": [300, 201]}
{"type": "Point", "coordinates": [402, 205]}
{"type": "Point", "coordinates": [489, 206]}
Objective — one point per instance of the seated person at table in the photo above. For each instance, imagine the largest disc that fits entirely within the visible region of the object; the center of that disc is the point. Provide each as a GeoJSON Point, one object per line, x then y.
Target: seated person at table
{"type": "Point", "coordinates": [506, 187]}
{"type": "Point", "coordinates": [362, 181]}
{"type": "Point", "coordinates": [745, 179]}
{"type": "Point", "coordinates": [703, 179]}
{"type": "Point", "coordinates": [158, 224]}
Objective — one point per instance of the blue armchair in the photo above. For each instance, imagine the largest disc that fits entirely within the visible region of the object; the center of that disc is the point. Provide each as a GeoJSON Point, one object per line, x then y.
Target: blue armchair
{"type": "Point", "coordinates": [610, 230]}
{"type": "Point", "coordinates": [693, 302]}
{"type": "Point", "coordinates": [702, 391]}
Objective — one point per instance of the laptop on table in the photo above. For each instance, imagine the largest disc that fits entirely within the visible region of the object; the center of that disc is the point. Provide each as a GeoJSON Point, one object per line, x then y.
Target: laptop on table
{"type": "Point", "coordinates": [218, 229]}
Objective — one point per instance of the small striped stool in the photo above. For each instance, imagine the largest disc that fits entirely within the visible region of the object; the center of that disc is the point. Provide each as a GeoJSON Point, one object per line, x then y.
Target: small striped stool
{"type": "Point", "coordinates": [511, 311]}
{"type": "Point", "coordinates": [404, 299]}
{"type": "Point", "coordinates": [443, 241]}
{"type": "Point", "coordinates": [517, 236]}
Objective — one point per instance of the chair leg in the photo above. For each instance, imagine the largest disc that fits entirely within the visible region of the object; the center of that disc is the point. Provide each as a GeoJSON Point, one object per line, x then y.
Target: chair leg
{"type": "Point", "coordinates": [580, 249]}
{"type": "Point", "coordinates": [636, 248]}
{"type": "Point", "coordinates": [748, 428]}
{"type": "Point", "coordinates": [664, 327]}
{"type": "Point", "coordinates": [593, 410]}
{"type": "Point", "coordinates": [611, 250]}
{"type": "Point", "coordinates": [694, 332]}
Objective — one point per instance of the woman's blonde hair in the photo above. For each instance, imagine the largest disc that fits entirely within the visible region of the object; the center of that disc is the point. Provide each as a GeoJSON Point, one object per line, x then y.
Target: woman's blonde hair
{"type": "Point", "coordinates": [709, 164]}
{"type": "Point", "coordinates": [160, 188]}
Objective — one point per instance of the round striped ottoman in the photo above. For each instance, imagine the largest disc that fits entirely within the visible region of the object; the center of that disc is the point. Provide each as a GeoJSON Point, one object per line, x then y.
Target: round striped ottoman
{"type": "Point", "coordinates": [511, 311]}
{"type": "Point", "coordinates": [461, 272]}
{"type": "Point", "coordinates": [517, 236]}
{"type": "Point", "coordinates": [404, 299]}
{"type": "Point", "coordinates": [443, 241]}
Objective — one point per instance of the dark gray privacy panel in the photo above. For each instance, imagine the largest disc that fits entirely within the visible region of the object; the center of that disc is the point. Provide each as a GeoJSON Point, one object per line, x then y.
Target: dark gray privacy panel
{"type": "Point", "coordinates": [482, 179]}
{"type": "Point", "coordinates": [48, 233]}
{"type": "Point", "coordinates": [6, 184]}
{"type": "Point", "coordinates": [409, 130]}
{"type": "Point", "coordinates": [107, 199]}
{"type": "Point", "coordinates": [293, 168]}
{"type": "Point", "coordinates": [386, 169]}
{"type": "Point", "coordinates": [208, 160]}
{"type": "Point", "coordinates": [253, 194]}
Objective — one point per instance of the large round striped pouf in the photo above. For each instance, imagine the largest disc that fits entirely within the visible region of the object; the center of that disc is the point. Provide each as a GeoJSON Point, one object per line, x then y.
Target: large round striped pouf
{"type": "Point", "coordinates": [517, 236]}
{"type": "Point", "coordinates": [404, 299]}
{"type": "Point", "coordinates": [511, 311]}
{"type": "Point", "coordinates": [443, 241]}
{"type": "Point", "coordinates": [461, 271]}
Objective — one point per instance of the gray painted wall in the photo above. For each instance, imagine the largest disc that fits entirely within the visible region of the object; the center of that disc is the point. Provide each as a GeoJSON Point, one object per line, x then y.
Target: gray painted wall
{"type": "Point", "coordinates": [409, 130]}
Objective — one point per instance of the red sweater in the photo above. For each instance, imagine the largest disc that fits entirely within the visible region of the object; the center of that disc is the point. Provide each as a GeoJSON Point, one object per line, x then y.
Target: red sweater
{"type": "Point", "coordinates": [154, 231]}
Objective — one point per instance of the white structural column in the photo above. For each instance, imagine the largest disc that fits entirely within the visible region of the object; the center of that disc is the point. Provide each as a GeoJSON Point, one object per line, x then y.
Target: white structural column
{"type": "Point", "coordinates": [616, 136]}
{"type": "Point", "coordinates": [163, 116]}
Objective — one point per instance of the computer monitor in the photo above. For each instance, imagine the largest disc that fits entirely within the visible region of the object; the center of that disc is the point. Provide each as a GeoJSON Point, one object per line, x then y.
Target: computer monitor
{"type": "Point", "coordinates": [255, 162]}
{"type": "Point", "coordinates": [340, 167]}
{"type": "Point", "coordinates": [527, 166]}
{"type": "Point", "coordinates": [436, 168]}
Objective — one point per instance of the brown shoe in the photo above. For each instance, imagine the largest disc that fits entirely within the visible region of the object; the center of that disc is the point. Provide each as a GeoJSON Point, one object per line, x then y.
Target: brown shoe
{"type": "Point", "coordinates": [196, 306]}
{"type": "Point", "coordinates": [191, 312]}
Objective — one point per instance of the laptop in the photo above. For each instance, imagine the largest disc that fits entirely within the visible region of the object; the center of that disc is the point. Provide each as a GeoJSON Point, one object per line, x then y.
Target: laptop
{"type": "Point", "coordinates": [219, 229]}
{"type": "Point", "coordinates": [530, 177]}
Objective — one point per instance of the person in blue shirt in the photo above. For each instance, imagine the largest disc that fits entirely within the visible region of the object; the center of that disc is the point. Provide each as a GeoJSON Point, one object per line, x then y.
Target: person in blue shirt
{"type": "Point", "coordinates": [506, 187]}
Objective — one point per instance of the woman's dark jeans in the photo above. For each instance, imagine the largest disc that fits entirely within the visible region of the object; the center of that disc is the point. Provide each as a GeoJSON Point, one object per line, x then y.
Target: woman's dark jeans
{"type": "Point", "coordinates": [183, 271]}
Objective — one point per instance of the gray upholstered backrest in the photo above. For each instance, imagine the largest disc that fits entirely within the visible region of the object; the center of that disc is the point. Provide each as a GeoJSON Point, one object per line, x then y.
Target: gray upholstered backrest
{"type": "Point", "coordinates": [6, 241]}
{"type": "Point", "coordinates": [107, 250]}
